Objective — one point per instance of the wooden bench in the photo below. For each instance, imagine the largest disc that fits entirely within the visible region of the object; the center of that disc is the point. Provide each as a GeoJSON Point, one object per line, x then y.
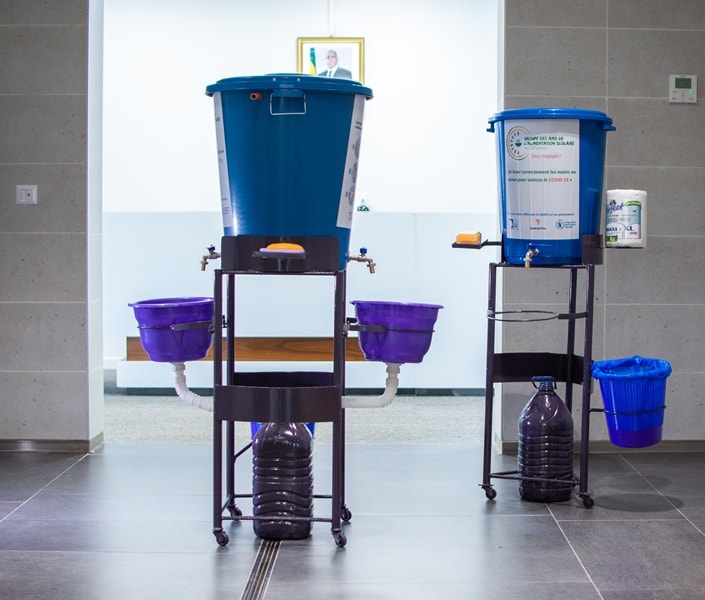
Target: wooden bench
{"type": "Point", "coordinates": [274, 349]}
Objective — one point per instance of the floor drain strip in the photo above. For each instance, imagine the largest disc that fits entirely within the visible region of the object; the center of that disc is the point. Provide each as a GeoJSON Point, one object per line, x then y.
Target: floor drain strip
{"type": "Point", "coordinates": [261, 570]}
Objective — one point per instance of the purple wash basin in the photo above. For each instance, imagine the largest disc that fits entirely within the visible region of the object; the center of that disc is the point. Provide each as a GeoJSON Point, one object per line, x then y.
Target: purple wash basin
{"type": "Point", "coordinates": [175, 329]}
{"type": "Point", "coordinates": [407, 334]}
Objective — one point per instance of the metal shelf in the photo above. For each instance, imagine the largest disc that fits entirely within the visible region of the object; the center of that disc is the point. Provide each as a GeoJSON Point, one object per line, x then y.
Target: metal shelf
{"type": "Point", "coordinates": [286, 397]}
{"type": "Point", "coordinates": [570, 368]}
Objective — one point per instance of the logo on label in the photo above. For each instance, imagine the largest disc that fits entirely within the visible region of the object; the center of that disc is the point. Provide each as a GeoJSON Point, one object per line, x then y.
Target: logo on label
{"type": "Point", "coordinates": [515, 142]}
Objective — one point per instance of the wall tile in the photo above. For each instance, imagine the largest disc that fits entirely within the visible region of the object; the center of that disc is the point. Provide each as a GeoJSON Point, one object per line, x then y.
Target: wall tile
{"type": "Point", "coordinates": [56, 12]}
{"type": "Point", "coordinates": [43, 268]}
{"type": "Point", "coordinates": [668, 332]}
{"type": "Point", "coordinates": [640, 61]}
{"type": "Point", "coordinates": [656, 133]}
{"type": "Point", "coordinates": [580, 13]}
{"type": "Point", "coordinates": [61, 193]}
{"type": "Point", "coordinates": [40, 405]}
{"type": "Point", "coordinates": [40, 336]}
{"type": "Point", "coordinates": [571, 61]}
{"type": "Point", "coordinates": [656, 14]}
{"type": "Point", "coordinates": [557, 101]}
{"type": "Point", "coordinates": [668, 271]}
{"type": "Point", "coordinates": [684, 418]}
{"type": "Point", "coordinates": [43, 60]}
{"type": "Point", "coordinates": [674, 204]}
{"type": "Point", "coordinates": [43, 129]}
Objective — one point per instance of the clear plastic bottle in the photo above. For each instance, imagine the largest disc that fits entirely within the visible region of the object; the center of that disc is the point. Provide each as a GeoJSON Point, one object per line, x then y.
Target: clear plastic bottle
{"type": "Point", "coordinates": [546, 445]}
{"type": "Point", "coordinates": [282, 484]}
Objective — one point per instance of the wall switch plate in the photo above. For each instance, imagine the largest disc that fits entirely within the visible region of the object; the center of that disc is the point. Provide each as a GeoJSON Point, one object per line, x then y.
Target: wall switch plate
{"type": "Point", "coordinates": [26, 194]}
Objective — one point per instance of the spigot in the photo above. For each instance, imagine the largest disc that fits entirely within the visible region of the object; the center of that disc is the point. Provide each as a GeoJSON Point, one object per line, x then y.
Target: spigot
{"type": "Point", "coordinates": [530, 253]}
{"type": "Point", "coordinates": [212, 255]}
{"type": "Point", "coordinates": [362, 257]}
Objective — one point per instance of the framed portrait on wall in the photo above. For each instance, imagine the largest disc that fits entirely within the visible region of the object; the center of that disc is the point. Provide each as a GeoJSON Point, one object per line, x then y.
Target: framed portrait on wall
{"type": "Point", "coordinates": [342, 57]}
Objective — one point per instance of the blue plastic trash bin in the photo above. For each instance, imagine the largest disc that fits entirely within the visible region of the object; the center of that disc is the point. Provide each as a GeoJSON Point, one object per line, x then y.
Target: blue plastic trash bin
{"type": "Point", "coordinates": [634, 395]}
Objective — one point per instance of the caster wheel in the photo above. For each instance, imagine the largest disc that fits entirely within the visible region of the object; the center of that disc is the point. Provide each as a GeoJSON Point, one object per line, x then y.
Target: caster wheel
{"type": "Point", "coordinates": [235, 512]}
{"type": "Point", "coordinates": [491, 493]}
{"type": "Point", "coordinates": [340, 539]}
{"type": "Point", "coordinates": [221, 537]}
{"type": "Point", "coordinates": [345, 514]}
{"type": "Point", "coordinates": [588, 502]}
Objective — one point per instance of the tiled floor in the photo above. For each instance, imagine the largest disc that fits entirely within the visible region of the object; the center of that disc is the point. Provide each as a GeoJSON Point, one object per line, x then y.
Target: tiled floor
{"type": "Point", "coordinates": [133, 521]}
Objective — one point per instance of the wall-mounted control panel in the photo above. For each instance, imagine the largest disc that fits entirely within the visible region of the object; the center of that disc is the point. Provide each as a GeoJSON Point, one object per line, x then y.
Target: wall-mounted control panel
{"type": "Point", "coordinates": [683, 88]}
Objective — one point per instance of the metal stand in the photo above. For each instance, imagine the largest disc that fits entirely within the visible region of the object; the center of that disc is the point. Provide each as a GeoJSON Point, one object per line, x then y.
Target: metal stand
{"type": "Point", "coordinates": [275, 396]}
{"type": "Point", "coordinates": [522, 366]}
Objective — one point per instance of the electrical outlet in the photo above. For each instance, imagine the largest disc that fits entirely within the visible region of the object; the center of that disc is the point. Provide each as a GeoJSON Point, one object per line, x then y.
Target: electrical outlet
{"type": "Point", "coordinates": [26, 194]}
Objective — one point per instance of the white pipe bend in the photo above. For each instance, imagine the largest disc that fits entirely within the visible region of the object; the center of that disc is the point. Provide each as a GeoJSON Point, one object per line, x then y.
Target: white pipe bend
{"type": "Point", "coordinates": [182, 391]}
{"type": "Point", "coordinates": [206, 403]}
{"type": "Point", "coordinates": [390, 392]}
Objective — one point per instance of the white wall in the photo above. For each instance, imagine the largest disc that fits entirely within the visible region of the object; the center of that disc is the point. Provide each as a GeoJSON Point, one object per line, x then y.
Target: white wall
{"type": "Point", "coordinates": [415, 263]}
{"type": "Point", "coordinates": [431, 65]}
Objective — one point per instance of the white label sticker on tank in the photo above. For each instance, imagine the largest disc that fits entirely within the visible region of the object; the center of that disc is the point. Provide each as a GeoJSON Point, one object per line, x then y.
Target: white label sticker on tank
{"type": "Point", "coordinates": [225, 201]}
{"type": "Point", "coordinates": [347, 192]}
{"type": "Point", "coordinates": [542, 178]}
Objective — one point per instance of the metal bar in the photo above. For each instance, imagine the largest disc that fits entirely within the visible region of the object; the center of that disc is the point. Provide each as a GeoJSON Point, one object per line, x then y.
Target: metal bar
{"type": "Point", "coordinates": [587, 381]}
{"type": "Point", "coordinates": [570, 344]}
{"type": "Point", "coordinates": [489, 376]}
{"type": "Point", "coordinates": [338, 476]}
{"type": "Point", "coordinates": [230, 362]}
{"type": "Point", "coordinates": [217, 425]}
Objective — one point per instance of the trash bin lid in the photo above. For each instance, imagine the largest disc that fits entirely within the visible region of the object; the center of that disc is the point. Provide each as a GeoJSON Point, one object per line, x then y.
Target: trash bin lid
{"type": "Point", "coordinates": [634, 367]}
{"type": "Point", "coordinates": [283, 81]}
{"type": "Point", "coordinates": [550, 113]}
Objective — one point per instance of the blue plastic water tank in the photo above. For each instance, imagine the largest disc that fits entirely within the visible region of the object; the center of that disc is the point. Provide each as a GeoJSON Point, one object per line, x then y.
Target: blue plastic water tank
{"type": "Point", "coordinates": [551, 164]}
{"type": "Point", "coordinates": [288, 151]}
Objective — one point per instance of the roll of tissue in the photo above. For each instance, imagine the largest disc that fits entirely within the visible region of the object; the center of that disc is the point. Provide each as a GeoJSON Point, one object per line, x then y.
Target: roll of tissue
{"type": "Point", "coordinates": [625, 219]}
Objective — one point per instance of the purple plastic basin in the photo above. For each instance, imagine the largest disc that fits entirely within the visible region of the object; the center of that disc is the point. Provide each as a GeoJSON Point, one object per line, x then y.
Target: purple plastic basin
{"type": "Point", "coordinates": [175, 329]}
{"type": "Point", "coordinates": [407, 332]}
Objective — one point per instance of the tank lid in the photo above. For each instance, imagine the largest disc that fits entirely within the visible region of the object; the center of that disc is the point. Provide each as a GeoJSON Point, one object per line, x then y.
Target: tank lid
{"type": "Point", "coordinates": [550, 113]}
{"type": "Point", "coordinates": [281, 81]}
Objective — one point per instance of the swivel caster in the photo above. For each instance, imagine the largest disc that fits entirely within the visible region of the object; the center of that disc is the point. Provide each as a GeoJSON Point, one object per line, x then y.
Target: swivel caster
{"type": "Point", "coordinates": [588, 502]}
{"type": "Point", "coordinates": [345, 514]}
{"type": "Point", "coordinates": [491, 493]}
{"type": "Point", "coordinates": [221, 537]}
{"type": "Point", "coordinates": [235, 512]}
{"type": "Point", "coordinates": [340, 539]}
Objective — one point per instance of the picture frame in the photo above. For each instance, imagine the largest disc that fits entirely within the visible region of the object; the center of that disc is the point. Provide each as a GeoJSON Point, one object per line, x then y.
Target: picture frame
{"type": "Point", "coordinates": [313, 52]}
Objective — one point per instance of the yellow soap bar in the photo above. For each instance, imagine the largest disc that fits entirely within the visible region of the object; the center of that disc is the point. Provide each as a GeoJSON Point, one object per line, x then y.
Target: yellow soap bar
{"type": "Point", "coordinates": [285, 246]}
{"type": "Point", "coordinates": [469, 238]}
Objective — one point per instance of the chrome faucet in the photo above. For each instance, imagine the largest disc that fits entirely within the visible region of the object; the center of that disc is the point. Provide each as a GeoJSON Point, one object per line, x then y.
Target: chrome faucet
{"type": "Point", "coordinates": [212, 255]}
{"type": "Point", "coordinates": [362, 257]}
{"type": "Point", "coordinates": [530, 253]}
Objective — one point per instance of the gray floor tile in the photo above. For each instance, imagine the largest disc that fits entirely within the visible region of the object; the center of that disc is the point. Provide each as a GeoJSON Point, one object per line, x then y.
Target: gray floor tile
{"type": "Point", "coordinates": [134, 521]}
{"type": "Point", "coordinates": [679, 479]}
{"type": "Point", "coordinates": [43, 575]}
{"type": "Point", "coordinates": [7, 507]}
{"type": "Point", "coordinates": [23, 473]}
{"type": "Point", "coordinates": [421, 591]}
{"type": "Point", "coordinates": [640, 555]}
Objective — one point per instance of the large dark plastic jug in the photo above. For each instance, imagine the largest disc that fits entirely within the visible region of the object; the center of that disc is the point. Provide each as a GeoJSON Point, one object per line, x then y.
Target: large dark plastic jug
{"type": "Point", "coordinates": [282, 484]}
{"type": "Point", "coordinates": [546, 445]}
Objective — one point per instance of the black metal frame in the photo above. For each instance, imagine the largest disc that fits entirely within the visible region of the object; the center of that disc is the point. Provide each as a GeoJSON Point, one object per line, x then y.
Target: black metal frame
{"type": "Point", "coordinates": [275, 396]}
{"type": "Point", "coordinates": [570, 368]}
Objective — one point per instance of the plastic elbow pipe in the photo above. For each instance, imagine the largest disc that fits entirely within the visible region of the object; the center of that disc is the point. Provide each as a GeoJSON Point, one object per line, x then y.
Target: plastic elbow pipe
{"type": "Point", "coordinates": [182, 391]}
{"type": "Point", "coordinates": [390, 392]}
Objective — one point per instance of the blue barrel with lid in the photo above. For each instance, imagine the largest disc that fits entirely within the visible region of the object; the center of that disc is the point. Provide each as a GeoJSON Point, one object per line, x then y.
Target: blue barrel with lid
{"type": "Point", "coordinates": [288, 151]}
{"type": "Point", "coordinates": [551, 164]}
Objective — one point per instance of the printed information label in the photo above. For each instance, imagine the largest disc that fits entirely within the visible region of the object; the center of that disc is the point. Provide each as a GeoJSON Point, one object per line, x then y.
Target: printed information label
{"type": "Point", "coordinates": [542, 178]}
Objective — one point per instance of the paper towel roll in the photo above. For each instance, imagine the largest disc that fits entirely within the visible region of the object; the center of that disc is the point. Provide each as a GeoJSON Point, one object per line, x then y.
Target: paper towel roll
{"type": "Point", "coordinates": [625, 219]}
